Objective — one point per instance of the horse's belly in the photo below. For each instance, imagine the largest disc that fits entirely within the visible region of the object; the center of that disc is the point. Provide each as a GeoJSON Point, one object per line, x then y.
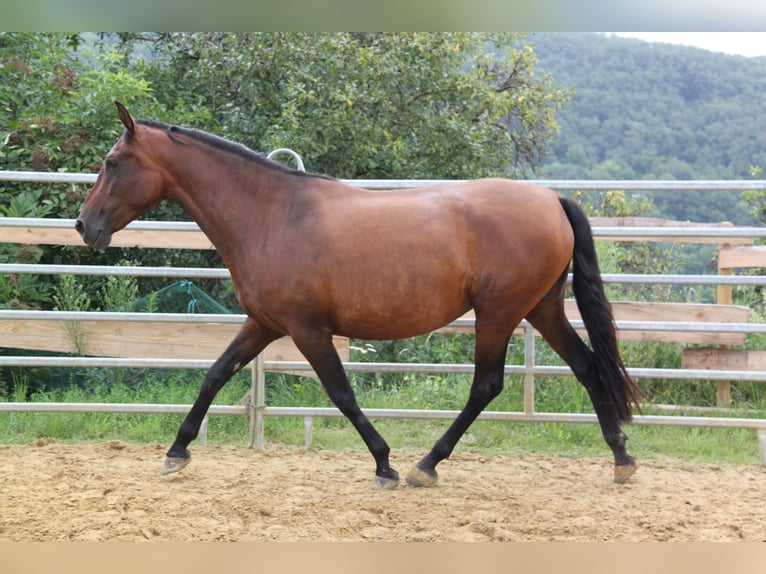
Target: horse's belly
{"type": "Point", "coordinates": [393, 326]}
{"type": "Point", "coordinates": [394, 317]}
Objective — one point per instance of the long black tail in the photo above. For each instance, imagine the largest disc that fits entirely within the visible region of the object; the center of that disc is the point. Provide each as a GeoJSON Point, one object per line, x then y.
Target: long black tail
{"type": "Point", "coordinates": [596, 313]}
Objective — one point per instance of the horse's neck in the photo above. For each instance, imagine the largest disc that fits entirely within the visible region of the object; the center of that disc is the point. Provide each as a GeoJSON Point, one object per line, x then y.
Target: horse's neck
{"type": "Point", "coordinates": [226, 201]}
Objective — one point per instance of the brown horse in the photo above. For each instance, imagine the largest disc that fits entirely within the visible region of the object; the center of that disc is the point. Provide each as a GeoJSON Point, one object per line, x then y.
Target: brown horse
{"type": "Point", "coordinates": [311, 257]}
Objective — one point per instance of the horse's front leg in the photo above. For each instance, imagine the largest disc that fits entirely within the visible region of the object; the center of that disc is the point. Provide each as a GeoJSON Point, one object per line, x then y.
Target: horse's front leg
{"type": "Point", "coordinates": [317, 347]}
{"type": "Point", "coordinates": [250, 341]}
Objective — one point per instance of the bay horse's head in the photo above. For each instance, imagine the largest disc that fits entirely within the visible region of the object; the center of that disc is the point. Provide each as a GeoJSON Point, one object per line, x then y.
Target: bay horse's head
{"type": "Point", "coordinates": [130, 182]}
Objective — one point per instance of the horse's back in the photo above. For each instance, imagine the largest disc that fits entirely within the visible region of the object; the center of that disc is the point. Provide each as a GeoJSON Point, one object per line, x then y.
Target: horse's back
{"type": "Point", "coordinates": [485, 222]}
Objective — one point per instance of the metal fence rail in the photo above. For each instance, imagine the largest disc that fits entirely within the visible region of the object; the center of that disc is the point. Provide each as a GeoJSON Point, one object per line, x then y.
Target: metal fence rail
{"type": "Point", "coordinates": [557, 184]}
{"type": "Point", "coordinates": [363, 367]}
{"type": "Point", "coordinates": [220, 273]}
{"type": "Point", "coordinates": [259, 409]}
{"type": "Point", "coordinates": [599, 232]}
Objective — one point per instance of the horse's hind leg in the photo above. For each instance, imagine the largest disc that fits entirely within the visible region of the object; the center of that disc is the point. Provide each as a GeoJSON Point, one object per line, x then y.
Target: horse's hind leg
{"type": "Point", "coordinates": [491, 346]}
{"type": "Point", "coordinates": [549, 319]}
{"type": "Point", "coordinates": [250, 341]}
{"type": "Point", "coordinates": [317, 347]}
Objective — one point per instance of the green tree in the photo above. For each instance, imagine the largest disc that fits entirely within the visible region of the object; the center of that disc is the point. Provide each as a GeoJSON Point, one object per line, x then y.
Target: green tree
{"type": "Point", "coordinates": [657, 111]}
{"type": "Point", "coordinates": [394, 105]}
{"type": "Point", "coordinates": [58, 111]}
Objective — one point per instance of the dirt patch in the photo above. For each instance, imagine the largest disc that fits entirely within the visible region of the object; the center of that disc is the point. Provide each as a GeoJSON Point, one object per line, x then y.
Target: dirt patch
{"type": "Point", "coordinates": [114, 491]}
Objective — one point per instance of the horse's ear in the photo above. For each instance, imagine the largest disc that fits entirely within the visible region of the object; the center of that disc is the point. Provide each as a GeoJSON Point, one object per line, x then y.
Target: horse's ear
{"type": "Point", "coordinates": [126, 118]}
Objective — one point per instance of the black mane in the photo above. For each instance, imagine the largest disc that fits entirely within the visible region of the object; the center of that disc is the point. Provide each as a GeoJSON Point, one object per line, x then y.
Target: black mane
{"type": "Point", "coordinates": [225, 145]}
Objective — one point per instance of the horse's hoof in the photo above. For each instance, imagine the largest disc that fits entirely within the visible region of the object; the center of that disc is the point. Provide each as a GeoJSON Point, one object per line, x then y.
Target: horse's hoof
{"type": "Point", "coordinates": [622, 472]}
{"type": "Point", "coordinates": [174, 464]}
{"type": "Point", "coordinates": [420, 477]}
{"type": "Point", "coordinates": [385, 483]}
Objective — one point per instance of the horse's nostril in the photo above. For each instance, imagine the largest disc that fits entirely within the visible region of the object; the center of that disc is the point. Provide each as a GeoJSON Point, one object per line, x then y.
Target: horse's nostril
{"type": "Point", "coordinates": [80, 227]}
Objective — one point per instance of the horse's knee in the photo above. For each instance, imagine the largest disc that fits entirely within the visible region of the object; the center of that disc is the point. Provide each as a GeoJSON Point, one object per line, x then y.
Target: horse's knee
{"type": "Point", "coordinates": [487, 388]}
{"type": "Point", "coordinates": [217, 375]}
{"type": "Point", "coordinates": [495, 387]}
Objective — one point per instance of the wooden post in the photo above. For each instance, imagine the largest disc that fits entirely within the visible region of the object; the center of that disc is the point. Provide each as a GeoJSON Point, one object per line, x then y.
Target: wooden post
{"type": "Point", "coordinates": [259, 399]}
{"type": "Point", "coordinates": [723, 393]}
{"type": "Point", "coordinates": [529, 363]}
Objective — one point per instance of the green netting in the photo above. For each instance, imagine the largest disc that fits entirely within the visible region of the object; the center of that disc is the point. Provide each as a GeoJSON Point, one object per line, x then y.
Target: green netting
{"type": "Point", "coordinates": [181, 297]}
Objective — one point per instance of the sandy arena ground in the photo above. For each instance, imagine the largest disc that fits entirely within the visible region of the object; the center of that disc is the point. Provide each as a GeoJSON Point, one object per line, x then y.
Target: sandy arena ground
{"type": "Point", "coordinates": [115, 491]}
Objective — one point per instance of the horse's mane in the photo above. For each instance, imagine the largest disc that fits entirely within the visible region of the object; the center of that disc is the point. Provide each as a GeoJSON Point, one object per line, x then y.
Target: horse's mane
{"type": "Point", "coordinates": [225, 145]}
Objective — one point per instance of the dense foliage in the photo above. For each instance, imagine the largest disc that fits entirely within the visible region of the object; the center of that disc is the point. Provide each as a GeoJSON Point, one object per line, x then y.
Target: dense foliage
{"type": "Point", "coordinates": [366, 105]}
{"type": "Point", "coordinates": [657, 111]}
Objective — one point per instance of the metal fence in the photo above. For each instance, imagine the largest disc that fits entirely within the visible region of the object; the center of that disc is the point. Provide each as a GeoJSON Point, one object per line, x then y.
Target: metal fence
{"type": "Point", "coordinates": [257, 407]}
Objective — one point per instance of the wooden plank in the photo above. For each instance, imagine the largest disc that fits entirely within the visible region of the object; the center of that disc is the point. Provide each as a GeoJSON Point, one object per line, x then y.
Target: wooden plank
{"type": "Point", "coordinates": [178, 239]}
{"type": "Point", "coordinates": [208, 340]}
{"type": "Point", "coordinates": [665, 312]}
{"type": "Point", "coordinates": [629, 222]}
{"type": "Point", "coordinates": [132, 339]}
{"type": "Point", "coordinates": [742, 257]}
{"type": "Point", "coordinates": [175, 239]}
{"type": "Point", "coordinates": [137, 339]}
{"type": "Point", "coordinates": [714, 359]}
{"type": "Point", "coordinates": [680, 312]}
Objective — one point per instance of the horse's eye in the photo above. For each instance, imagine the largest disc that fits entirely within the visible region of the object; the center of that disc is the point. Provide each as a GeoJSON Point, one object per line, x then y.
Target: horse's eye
{"type": "Point", "coordinates": [111, 163]}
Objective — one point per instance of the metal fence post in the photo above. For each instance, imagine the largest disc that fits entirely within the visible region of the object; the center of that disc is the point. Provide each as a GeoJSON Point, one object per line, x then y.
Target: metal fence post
{"type": "Point", "coordinates": [529, 365]}
{"type": "Point", "coordinates": [258, 390]}
{"type": "Point", "coordinates": [203, 430]}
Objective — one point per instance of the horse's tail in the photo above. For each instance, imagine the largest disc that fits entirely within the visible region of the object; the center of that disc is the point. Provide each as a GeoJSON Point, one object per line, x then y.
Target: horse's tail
{"type": "Point", "coordinates": [596, 313]}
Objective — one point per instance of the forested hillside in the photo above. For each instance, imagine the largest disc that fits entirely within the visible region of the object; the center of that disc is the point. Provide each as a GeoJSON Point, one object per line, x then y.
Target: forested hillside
{"type": "Point", "coordinates": [657, 111]}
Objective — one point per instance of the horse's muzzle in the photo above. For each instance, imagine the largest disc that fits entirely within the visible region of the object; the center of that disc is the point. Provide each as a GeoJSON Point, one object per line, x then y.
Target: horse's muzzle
{"type": "Point", "coordinates": [94, 236]}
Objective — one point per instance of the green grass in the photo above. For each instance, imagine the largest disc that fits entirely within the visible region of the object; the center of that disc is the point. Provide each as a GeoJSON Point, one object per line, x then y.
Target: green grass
{"type": "Point", "coordinates": [422, 392]}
